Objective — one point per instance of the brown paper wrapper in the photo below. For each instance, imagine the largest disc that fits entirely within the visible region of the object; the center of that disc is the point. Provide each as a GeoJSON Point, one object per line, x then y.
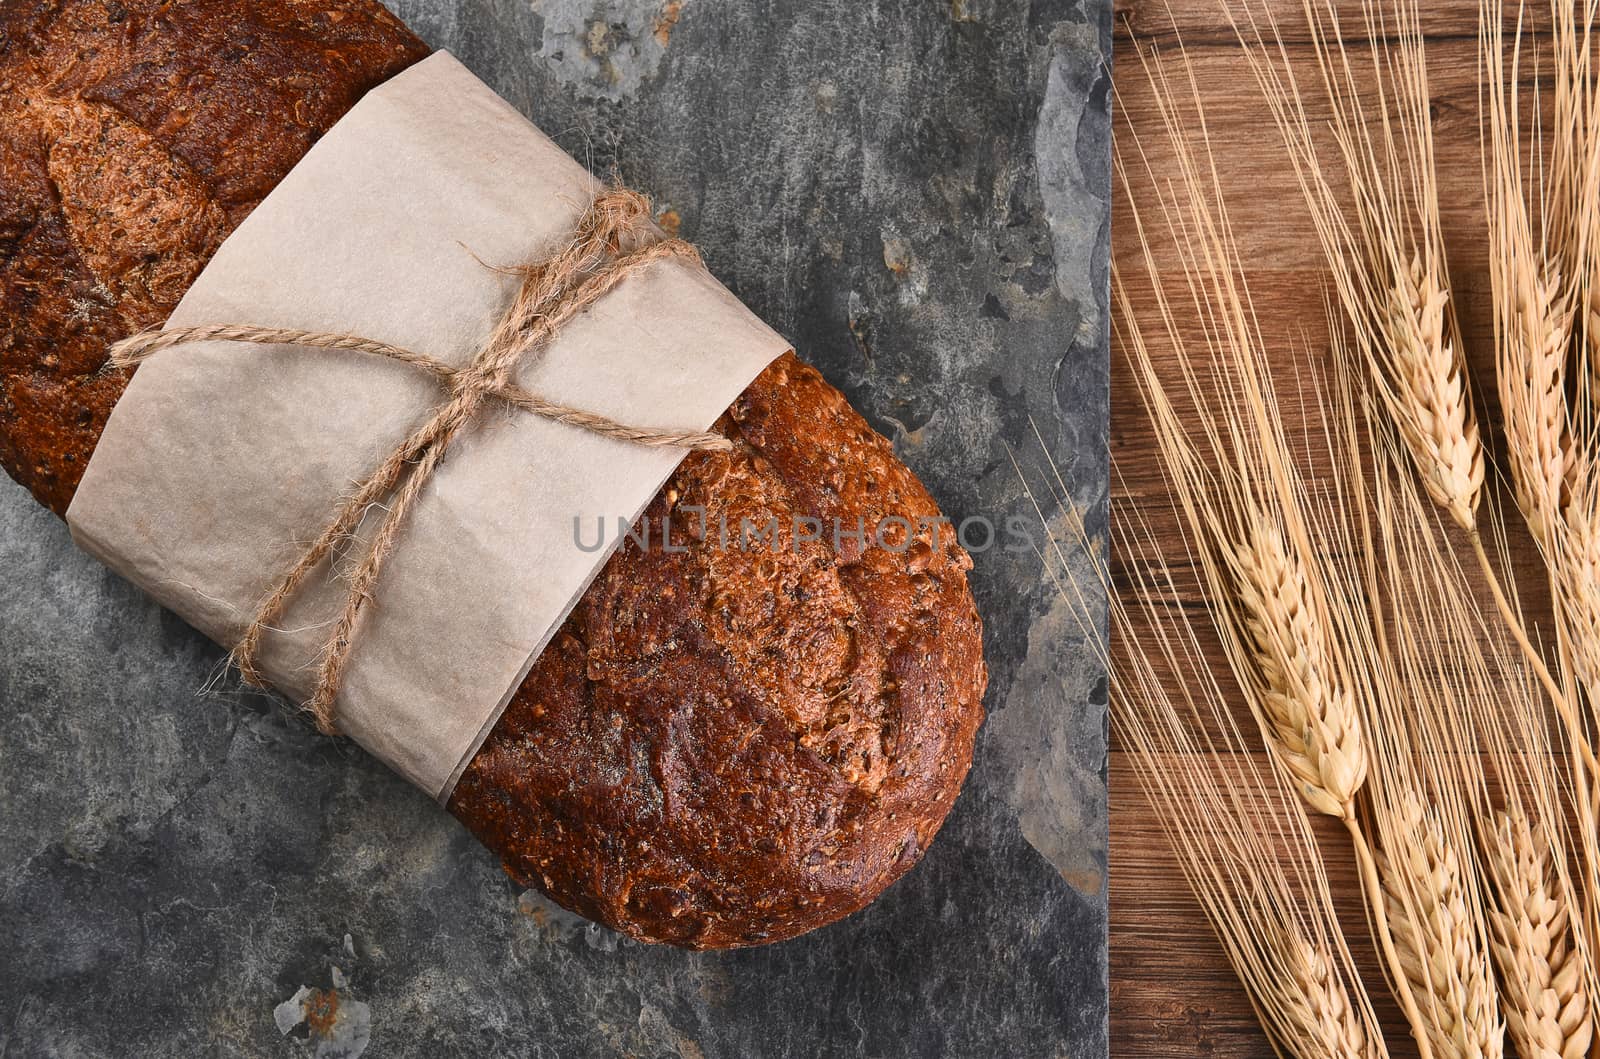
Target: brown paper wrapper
{"type": "Point", "coordinates": [222, 461]}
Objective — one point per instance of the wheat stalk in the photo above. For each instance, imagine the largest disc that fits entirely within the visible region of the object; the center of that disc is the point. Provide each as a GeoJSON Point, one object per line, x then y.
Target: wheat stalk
{"type": "Point", "coordinates": [1385, 251]}
{"type": "Point", "coordinates": [1421, 812]}
{"type": "Point", "coordinates": [1492, 711]}
{"type": "Point", "coordinates": [1366, 711]}
{"type": "Point", "coordinates": [1551, 457]}
{"type": "Point", "coordinates": [1541, 970]}
{"type": "Point", "coordinates": [1569, 216]}
{"type": "Point", "coordinates": [1533, 311]}
{"type": "Point", "coordinates": [1236, 488]}
{"type": "Point", "coordinates": [1241, 496]}
{"type": "Point", "coordinates": [1573, 564]}
{"type": "Point", "coordinates": [1385, 254]}
{"type": "Point", "coordinates": [1386, 257]}
{"type": "Point", "coordinates": [1248, 856]}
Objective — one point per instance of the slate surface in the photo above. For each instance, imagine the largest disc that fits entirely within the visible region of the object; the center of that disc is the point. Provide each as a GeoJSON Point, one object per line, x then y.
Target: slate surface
{"type": "Point", "coordinates": [916, 195]}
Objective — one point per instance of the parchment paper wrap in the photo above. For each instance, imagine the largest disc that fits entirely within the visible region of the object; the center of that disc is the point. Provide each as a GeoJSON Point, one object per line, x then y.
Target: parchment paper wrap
{"type": "Point", "coordinates": [221, 462]}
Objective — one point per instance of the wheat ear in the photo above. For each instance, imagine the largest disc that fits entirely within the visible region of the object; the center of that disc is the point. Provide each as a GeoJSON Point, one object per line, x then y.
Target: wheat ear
{"type": "Point", "coordinates": [1572, 180]}
{"type": "Point", "coordinates": [1532, 380]}
{"type": "Point", "coordinates": [1327, 1021]}
{"type": "Point", "coordinates": [1575, 573]}
{"type": "Point", "coordinates": [1543, 984]}
{"type": "Point", "coordinates": [1429, 394]}
{"type": "Point", "coordinates": [1312, 723]}
{"type": "Point", "coordinates": [1432, 922]}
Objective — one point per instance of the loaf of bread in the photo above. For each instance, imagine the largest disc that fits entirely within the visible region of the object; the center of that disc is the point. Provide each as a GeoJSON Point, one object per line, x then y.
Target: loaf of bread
{"type": "Point", "coordinates": [721, 746]}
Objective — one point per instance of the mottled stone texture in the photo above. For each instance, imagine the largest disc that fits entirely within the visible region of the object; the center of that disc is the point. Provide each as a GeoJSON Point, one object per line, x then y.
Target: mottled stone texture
{"type": "Point", "coordinates": [916, 195]}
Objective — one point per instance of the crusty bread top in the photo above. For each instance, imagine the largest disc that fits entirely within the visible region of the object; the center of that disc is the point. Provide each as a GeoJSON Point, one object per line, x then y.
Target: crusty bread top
{"type": "Point", "coordinates": [727, 746]}
{"type": "Point", "coordinates": [723, 745]}
{"type": "Point", "coordinates": [134, 136]}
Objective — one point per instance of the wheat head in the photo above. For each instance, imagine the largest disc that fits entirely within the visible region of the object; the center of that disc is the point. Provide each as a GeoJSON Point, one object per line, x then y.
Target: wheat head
{"type": "Point", "coordinates": [1317, 1005]}
{"type": "Point", "coordinates": [1575, 576]}
{"type": "Point", "coordinates": [1431, 403]}
{"type": "Point", "coordinates": [1544, 991]}
{"type": "Point", "coordinates": [1310, 715]}
{"type": "Point", "coordinates": [1432, 925]}
{"type": "Point", "coordinates": [1589, 349]}
{"type": "Point", "coordinates": [1532, 380]}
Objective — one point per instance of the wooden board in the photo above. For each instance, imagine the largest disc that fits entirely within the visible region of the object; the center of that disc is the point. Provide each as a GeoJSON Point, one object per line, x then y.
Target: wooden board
{"type": "Point", "coordinates": [1172, 992]}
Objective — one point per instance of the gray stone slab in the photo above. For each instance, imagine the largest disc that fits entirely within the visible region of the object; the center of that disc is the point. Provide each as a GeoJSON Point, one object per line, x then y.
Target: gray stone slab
{"type": "Point", "coordinates": [916, 194]}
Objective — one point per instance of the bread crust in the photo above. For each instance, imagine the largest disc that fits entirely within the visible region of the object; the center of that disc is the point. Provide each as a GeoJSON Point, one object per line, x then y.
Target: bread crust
{"type": "Point", "coordinates": [134, 136]}
{"type": "Point", "coordinates": [731, 745]}
{"type": "Point", "coordinates": [729, 742]}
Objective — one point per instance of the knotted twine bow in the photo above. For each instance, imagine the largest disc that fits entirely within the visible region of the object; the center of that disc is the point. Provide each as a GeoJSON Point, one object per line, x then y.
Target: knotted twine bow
{"type": "Point", "coordinates": [614, 240]}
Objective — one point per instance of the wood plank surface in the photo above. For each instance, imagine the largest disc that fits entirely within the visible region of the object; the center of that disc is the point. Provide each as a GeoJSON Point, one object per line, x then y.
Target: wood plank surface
{"type": "Point", "coordinates": [1172, 992]}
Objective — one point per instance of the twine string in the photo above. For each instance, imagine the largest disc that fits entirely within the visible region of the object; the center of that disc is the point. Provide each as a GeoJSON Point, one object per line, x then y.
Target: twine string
{"type": "Point", "coordinates": [551, 293]}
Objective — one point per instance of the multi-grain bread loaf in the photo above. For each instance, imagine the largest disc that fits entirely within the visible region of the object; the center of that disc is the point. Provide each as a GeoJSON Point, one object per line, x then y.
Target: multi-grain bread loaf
{"type": "Point", "coordinates": [721, 746]}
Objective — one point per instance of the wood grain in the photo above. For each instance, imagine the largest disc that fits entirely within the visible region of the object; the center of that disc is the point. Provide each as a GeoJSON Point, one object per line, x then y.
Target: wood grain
{"type": "Point", "coordinates": [1172, 992]}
